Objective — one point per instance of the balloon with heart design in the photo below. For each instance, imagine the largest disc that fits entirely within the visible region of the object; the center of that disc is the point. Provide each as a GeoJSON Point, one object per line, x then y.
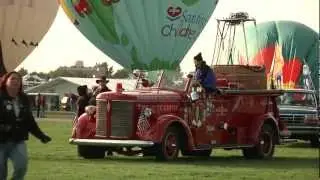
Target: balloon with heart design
{"type": "Point", "coordinates": [141, 34]}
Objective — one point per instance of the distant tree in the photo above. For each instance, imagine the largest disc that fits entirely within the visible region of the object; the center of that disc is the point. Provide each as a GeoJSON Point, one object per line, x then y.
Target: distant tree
{"type": "Point", "coordinates": [104, 69]}
{"type": "Point", "coordinates": [74, 71]}
{"type": "Point", "coordinates": [122, 73]}
{"type": "Point", "coordinates": [179, 73]}
{"type": "Point", "coordinates": [23, 72]}
{"type": "Point", "coordinates": [61, 71]}
{"type": "Point", "coordinates": [42, 75]}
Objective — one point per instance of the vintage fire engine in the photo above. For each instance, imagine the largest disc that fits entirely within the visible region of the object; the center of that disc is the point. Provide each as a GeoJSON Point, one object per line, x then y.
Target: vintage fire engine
{"type": "Point", "coordinates": [165, 115]}
{"type": "Point", "coordinates": [161, 118]}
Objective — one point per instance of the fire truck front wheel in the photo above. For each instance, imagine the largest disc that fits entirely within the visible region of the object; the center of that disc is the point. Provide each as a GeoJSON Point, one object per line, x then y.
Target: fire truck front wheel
{"type": "Point", "coordinates": [265, 147]}
{"type": "Point", "coordinates": [168, 148]}
{"type": "Point", "coordinates": [91, 152]}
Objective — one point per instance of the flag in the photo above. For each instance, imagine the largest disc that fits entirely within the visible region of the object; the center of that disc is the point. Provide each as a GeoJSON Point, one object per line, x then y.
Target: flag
{"type": "Point", "coordinates": [143, 123]}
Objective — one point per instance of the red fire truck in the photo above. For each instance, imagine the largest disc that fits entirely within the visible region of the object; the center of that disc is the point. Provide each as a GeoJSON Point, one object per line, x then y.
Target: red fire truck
{"type": "Point", "coordinates": [164, 116]}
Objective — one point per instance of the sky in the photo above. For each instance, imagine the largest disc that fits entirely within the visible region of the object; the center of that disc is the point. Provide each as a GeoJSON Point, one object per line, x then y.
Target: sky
{"type": "Point", "coordinates": [63, 45]}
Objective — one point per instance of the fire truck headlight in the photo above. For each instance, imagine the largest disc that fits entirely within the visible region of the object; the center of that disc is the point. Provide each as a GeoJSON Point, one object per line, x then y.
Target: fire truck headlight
{"type": "Point", "coordinates": [147, 112]}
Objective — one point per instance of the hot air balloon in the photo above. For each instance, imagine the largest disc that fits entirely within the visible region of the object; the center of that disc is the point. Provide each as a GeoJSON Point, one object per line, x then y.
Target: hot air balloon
{"type": "Point", "coordinates": [285, 48]}
{"type": "Point", "coordinates": [141, 34]}
{"type": "Point", "coordinates": [23, 24]}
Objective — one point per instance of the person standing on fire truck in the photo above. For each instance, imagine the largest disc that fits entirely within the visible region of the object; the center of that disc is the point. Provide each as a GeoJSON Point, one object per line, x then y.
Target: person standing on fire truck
{"type": "Point", "coordinates": [102, 82]}
{"type": "Point", "coordinates": [205, 77]}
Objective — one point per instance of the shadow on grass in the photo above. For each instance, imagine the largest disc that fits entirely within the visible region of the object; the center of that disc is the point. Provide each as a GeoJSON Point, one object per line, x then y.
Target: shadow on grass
{"type": "Point", "coordinates": [301, 144]}
{"type": "Point", "coordinates": [221, 161]}
{"type": "Point", "coordinates": [235, 161]}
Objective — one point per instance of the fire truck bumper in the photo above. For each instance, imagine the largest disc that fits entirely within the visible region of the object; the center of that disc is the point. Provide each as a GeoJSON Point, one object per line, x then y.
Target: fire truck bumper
{"type": "Point", "coordinates": [111, 143]}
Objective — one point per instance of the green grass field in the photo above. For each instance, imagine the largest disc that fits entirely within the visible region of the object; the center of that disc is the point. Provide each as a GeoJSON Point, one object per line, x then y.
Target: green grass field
{"type": "Point", "coordinates": [58, 161]}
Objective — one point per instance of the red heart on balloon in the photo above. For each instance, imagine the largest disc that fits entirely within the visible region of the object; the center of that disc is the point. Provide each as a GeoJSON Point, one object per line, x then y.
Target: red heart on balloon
{"type": "Point", "coordinates": [174, 12]}
{"type": "Point", "coordinates": [82, 7]}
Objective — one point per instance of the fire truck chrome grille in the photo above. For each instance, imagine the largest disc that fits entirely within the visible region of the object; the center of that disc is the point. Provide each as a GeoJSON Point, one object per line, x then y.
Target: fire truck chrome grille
{"type": "Point", "coordinates": [122, 119]}
{"type": "Point", "coordinates": [101, 124]}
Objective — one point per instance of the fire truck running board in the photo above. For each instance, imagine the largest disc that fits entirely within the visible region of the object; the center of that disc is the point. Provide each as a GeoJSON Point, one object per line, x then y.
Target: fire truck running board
{"type": "Point", "coordinates": [288, 141]}
{"type": "Point", "coordinates": [223, 146]}
{"type": "Point", "coordinates": [111, 143]}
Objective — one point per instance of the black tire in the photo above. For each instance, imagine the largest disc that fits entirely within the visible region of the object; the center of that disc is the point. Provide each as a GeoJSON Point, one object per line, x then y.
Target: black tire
{"type": "Point", "coordinates": [91, 152]}
{"type": "Point", "coordinates": [315, 142]}
{"type": "Point", "coordinates": [169, 147]}
{"type": "Point", "coordinates": [265, 147]}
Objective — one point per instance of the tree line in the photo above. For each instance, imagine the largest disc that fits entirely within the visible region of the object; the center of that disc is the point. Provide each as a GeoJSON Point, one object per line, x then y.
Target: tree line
{"type": "Point", "coordinates": [82, 72]}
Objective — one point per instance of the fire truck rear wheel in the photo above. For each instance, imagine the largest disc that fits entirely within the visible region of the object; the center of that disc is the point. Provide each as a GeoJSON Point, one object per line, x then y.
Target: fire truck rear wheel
{"type": "Point", "coordinates": [169, 147]}
{"type": "Point", "coordinates": [91, 152]}
{"type": "Point", "coordinates": [265, 147]}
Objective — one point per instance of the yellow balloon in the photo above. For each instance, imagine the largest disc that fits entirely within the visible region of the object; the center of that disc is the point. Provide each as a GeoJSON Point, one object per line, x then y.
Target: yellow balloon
{"type": "Point", "coordinates": [23, 23]}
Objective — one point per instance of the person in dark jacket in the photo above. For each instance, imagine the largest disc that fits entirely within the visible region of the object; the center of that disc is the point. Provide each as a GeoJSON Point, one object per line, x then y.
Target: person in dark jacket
{"type": "Point", "coordinates": [102, 82]}
{"type": "Point", "coordinates": [205, 77]}
{"type": "Point", "coordinates": [16, 122]}
{"type": "Point", "coordinates": [83, 100]}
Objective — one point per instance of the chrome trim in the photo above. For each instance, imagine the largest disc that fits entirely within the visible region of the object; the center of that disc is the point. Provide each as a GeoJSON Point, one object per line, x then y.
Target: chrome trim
{"type": "Point", "coordinates": [295, 114]}
{"type": "Point", "coordinates": [298, 109]}
{"type": "Point", "coordinates": [101, 118]}
{"type": "Point", "coordinates": [111, 143]}
{"type": "Point", "coordinates": [307, 91]}
{"type": "Point", "coordinates": [316, 127]}
{"type": "Point", "coordinates": [304, 132]}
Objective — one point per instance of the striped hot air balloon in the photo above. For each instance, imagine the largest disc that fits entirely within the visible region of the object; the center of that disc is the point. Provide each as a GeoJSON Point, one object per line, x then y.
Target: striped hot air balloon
{"type": "Point", "coordinates": [284, 48]}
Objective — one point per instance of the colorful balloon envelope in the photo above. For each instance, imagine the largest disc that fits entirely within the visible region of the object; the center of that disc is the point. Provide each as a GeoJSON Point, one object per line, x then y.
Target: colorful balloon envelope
{"type": "Point", "coordinates": [23, 25]}
{"type": "Point", "coordinates": [141, 34]}
{"type": "Point", "coordinates": [284, 47]}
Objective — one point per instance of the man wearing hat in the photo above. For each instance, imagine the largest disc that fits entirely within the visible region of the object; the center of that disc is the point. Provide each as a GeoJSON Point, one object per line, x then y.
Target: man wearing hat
{"type": "Point", "coordinates": [205, 77]}
{"type": "Point", "coordinates": [102, 87]}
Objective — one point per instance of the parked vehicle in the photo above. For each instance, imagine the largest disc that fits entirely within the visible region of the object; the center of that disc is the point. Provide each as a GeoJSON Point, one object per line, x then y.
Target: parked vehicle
{"type": "Point", "coordinates": [160, 118]}
{"type": "Point", "coordinates": [299, 109]}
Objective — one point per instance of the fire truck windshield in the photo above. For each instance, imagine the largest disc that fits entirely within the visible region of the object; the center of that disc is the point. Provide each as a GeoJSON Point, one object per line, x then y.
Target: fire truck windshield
{"type": "Point", "coordinates": [163, 79]}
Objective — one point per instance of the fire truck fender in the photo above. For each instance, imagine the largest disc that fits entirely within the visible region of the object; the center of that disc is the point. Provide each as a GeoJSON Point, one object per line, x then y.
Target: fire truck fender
{"type": "Point", "coordinates": [84, 127]}
{"type": "Point", "coordinates": [262, 120]}
{"type": "Point", "coordinates": [166, 121]}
